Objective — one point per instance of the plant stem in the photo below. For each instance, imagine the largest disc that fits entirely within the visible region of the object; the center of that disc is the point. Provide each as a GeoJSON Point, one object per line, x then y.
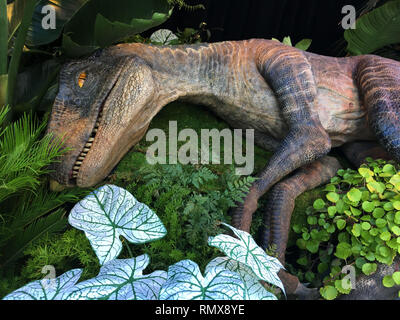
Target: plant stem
{"type": "Point", "coordinates": [129, 249]}
{"type": "Point", "coordinates": [3, 52]}
{"type": "Point", "coordinates": [18, 47]}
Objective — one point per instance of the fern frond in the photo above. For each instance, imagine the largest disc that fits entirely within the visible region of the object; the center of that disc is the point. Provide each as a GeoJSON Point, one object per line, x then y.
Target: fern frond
{"type": "Point", "coordinates": [23, 157]}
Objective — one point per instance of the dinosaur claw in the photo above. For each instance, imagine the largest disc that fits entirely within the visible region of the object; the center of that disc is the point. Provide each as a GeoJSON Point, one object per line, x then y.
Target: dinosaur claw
{"type": "Point", "coordinates": [304, 293]}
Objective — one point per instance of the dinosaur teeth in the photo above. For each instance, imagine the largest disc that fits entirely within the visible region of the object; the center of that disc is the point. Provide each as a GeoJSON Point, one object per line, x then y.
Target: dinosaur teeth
{"type": "Point", "coordinates": [86, 149]}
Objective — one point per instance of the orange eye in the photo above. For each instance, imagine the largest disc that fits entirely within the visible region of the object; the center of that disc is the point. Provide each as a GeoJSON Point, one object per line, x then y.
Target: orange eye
{"type": "Point", "coordinates": [81, 79]}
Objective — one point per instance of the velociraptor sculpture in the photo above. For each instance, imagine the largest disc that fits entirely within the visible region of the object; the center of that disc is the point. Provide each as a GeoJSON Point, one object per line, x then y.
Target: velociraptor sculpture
{"type": "Point", "coordinates": [300, 105]}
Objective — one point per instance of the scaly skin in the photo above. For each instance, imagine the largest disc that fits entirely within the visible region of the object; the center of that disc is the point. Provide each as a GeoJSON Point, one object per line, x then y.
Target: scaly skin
{"type": "Point", "coordinates": [300, 104]}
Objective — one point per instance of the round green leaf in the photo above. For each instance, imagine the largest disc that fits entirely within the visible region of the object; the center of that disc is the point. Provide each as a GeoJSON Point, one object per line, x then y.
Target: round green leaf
{"type": "Point", "coordinates": [329, 292]}
{"type": "Point", "coordinates": [333, 197]}
{"type": "Point", "coordinates": [341, 224]}
{"type": "Point", "coordinates": [388, 281]}
{"type": "Point", "coordinates": [319, 204]}
{"type": "Point", "coordinates": [369, 268]}
{"type": "Point", "coordinates": [354, 195]}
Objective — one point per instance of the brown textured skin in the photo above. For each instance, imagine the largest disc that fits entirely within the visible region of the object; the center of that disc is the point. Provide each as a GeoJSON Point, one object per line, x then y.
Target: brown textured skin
{"type": "Point", "coordinates": [300, 105]}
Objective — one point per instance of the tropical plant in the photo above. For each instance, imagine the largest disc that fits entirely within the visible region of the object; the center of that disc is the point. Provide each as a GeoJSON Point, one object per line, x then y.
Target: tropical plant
{"type": "Point", "coordinates": [356, 223]}
{"type": "Point", "coordinates": [375, 29]}
{"type": "Point", "coordinates": [25, 202]}
{"type": "Point", "coordinates": [236, 276]}
{"type": "Point", "coordinates": [81, 26]}
{"type": "Point", "coordinates": [302, 45]}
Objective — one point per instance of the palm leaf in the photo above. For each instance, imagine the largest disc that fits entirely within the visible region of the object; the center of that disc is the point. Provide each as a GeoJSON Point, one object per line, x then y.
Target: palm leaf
{"type": "Point", "coordinates": [375, 30]}
{"type": "Point", "coordinates": [15, 247]}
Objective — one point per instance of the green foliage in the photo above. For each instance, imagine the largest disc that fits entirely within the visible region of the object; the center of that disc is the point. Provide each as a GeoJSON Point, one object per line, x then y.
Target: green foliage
{"type": "Point", "coordinates": [67, 251]}
{"type": "Point", "coordinates": [23, 156]}
{"type": "Point", "coordinates": [28, 210]}
{"type": "Point", "coordinates": [302, 45]}
{"type": "Point", "coordinates": [191, 201]}
{"type": "Point", "coordinates": [355, 223]}
{"type": "Point", "coordinates": [375, 29]}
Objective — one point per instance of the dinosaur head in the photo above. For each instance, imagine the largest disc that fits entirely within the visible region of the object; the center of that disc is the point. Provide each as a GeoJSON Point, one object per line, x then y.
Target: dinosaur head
{"type": "Point", "coordinates": [103, 108]}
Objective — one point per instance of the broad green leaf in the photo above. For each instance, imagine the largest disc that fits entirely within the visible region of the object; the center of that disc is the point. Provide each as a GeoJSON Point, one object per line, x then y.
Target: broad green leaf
{"type": "Point", "coordinates": [110, 212]}
{"type": "Point", "coordinates": [356, 230]}
{"type": "Point", "coordinates": [385, 236]}
{"type": "Point", "coordinates": [341, 224]}
{"type": "Point", "coordinates": [120, 280]}
{"type": "Point", "coordinates": [366, 173]}
{"type": "Point", "coordinates": [245, 250]}
{"type": "Point", "coordinates": [369, 268]}
{"type": "Point", "coordinates": [254, 289]}
{"type": "Point", "coordinates": [388, 281]}
{"type": "Point", "coordinates": [343, 251]}
{"type": "Point", "coordinates": [339, 286]}
{"type": "Point", "coordinates": [47, 289]}
{"type": "Point", "coordinates": [319, 204]}
{"type": "Point", "coordinates": [396, 277]}
{"type": "Point", "coordinates": [287, 41]}
{"type": "Point", "coordinates": [333, 197]}
{"type": "Point", "coordinates": [101, 23]}
{"type": "Point", "coordinates": [375, 29]}
{"type": "Point", "coordinates": [303, 44]}
{"type": "Point", "coordinates": [380, 223]}
{"type": "Point", "coordinates": [185, 282]}
{"type": "Point", "coordinates": [368, 206]}
{"type": "Point", "coordinates": [65, 10]}
{"type": "Point", "coordinates": [329, 292]}
{"type": "Point", "coordinates": [354, 195]}
{"type": "Point", "coordinates": [396, 230]}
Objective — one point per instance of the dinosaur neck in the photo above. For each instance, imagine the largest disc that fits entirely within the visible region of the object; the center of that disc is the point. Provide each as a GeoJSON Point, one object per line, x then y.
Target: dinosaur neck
{"type": "Point", "coordinates": [184, 71]}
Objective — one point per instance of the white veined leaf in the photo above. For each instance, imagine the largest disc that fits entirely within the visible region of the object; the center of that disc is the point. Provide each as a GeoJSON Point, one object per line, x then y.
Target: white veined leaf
{"type": "Point", "coordinates": [254, 289]}
{"type": "Point", "coordinates": [47, 289]}
{"type": "Point", "coordinates": [185, 282]}
{"type": "Point", "coordinates": [120, 279]}
{"type": "Point", "coordinates": [163, 36]}
{"type": "Point", "coordinates": [245, 250]}
{"type": "Point", "coordinates": [110, 212]}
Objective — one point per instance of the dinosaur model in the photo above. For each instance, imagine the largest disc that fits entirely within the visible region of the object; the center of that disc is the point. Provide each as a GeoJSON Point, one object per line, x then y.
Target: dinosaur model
{"type": "Point", "coordinates": [300, 105]}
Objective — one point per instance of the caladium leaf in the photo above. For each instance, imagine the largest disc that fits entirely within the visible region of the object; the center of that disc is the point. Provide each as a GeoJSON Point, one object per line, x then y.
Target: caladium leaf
{"type": "Point", "coordinates": [120, 280]}
{"type": "Point", "coordinates": [245, 250]}
{"type": "Point", "coordinates": [185, 282]}
{"type": "Point", "coordinates": [111, 212]}
{"type": "Point", "coordinates": [47, 289]}
{"type": "Point", "coordinates": [254, 289]}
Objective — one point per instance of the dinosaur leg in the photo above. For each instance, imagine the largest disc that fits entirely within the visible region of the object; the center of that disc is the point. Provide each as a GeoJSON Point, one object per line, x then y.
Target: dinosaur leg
{"type": "Point", "coordinates": [282, 198]}
{"type": "Point", "coordinates": [357, 152]}
{"type": "Point", "coordinates": [379, 84]}
{"type": "Point", "coordinates": [289, 74]}
{"type": "Point", "coordinates": [279, 211]}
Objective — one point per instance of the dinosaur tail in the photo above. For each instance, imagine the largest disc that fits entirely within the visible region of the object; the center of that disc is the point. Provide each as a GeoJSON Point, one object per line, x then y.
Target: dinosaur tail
{"type": "Point", "coordinates": [379, 83]}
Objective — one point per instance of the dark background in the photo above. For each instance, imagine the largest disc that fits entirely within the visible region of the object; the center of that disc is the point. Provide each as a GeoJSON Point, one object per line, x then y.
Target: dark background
{"type": "Point", "coordinates": [319, 20]}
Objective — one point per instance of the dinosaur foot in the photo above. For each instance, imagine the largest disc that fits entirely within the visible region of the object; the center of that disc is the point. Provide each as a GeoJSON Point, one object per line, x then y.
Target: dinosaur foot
{"type": "Point", "coordinates": [304, 293]}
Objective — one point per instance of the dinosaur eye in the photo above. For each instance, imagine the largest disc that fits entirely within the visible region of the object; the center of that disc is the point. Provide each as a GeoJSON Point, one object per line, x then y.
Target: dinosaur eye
{"type": "Point", "coordinates": [81, 79]}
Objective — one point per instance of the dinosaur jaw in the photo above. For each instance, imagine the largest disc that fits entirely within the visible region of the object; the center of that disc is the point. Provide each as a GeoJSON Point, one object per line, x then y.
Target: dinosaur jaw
{"type": "Point", "coordinates": [104, 154]}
